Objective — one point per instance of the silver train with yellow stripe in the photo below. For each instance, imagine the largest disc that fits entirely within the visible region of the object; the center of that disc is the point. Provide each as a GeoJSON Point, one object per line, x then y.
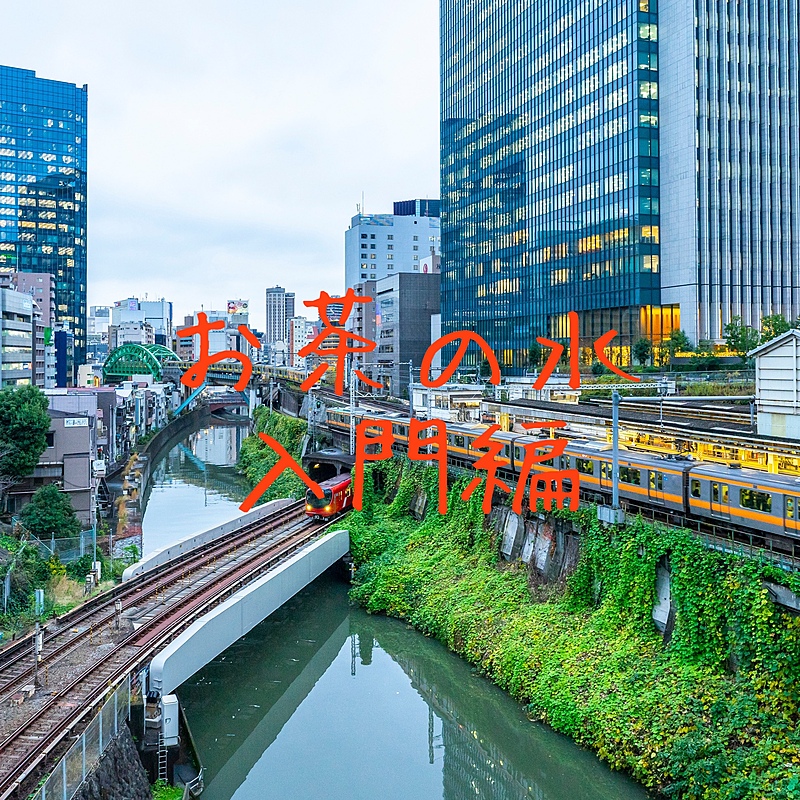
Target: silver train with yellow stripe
{"type": "Point", "coordinates": [725, 497]}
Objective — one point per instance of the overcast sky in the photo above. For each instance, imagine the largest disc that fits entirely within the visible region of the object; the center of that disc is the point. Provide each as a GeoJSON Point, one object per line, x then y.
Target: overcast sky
{"type": "Point", "coordinates": [229, 142]}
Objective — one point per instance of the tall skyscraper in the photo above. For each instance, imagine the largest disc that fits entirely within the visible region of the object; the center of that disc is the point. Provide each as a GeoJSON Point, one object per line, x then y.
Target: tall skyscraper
{"type": "Point", "coordinates": [560, 127]}
{"type": "Point", "coordinates": [280, 309]}
{"type": "Point", "coordinates": [380, 245]}
{"type": "Point", "coordinates": [43, 188]}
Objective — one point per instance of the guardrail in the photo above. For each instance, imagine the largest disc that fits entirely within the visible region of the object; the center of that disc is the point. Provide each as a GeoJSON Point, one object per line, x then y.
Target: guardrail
{"type": "Point", "coordinates": [70, 773]}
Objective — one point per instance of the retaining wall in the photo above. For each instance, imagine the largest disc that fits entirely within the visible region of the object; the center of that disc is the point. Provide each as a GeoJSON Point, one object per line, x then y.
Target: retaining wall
{"type": "Point", "coordinates": [217, 630]}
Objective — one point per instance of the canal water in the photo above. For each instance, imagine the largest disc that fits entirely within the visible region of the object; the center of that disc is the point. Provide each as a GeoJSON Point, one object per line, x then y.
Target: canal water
{"type": "Point", "coordinates": [195, 486]}
{"type": "Point", "coordinates": [327, 702]}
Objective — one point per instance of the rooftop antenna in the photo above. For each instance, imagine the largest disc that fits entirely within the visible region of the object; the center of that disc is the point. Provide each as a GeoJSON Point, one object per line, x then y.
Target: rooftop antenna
{"type": "Point", "coordinates": [363, 204]}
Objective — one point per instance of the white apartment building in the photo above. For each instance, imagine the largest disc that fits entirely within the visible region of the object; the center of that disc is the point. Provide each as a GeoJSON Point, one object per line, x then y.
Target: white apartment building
{"type": "Point", "coordinates": [380, 245]}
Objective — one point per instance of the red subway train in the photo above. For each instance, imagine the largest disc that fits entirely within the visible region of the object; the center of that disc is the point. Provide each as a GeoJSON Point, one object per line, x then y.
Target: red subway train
{"type": "Point", "coordinates": [338, 498]}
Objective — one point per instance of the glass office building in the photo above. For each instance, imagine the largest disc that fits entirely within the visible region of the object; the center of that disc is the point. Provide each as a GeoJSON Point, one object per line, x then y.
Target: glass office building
{"type": "Point", "coordinates": [43, 188]}
{"type": "Point", "coordinates": [571, 129]}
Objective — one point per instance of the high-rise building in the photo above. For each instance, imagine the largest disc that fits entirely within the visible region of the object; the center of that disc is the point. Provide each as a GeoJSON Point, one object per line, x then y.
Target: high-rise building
{"type": "Point", "coordinates": [64, 345]}
{"type": "Point", "coordinates": [301, 333]}
{"type": "Point", "coordinates": [729, 123]}
{"type": "Point", "coordinates": [43, 188]}
{"type": "Point", "coordinates": [41, 287]}
{"type": "Point", "coordinates": [280, 309]}
{"type": "Point", "coordinates": [16, 338]}
{"type": "Point", "coordinates": [156, 313]}
{"type": "Point", "coordinates": [379, 245]}
{"type": "Point", "coordinates": [560, 127]}
{"type": "Point", "coordinates": [404, 306]}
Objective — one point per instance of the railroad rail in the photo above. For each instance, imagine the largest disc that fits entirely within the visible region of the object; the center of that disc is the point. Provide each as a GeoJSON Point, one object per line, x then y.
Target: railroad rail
{"type": "Point", "coordinates": [673, 409]}
{"type": "Point", "coordinates": [16, 660]}
{"type": "Point", "coordinates": [250, 552]}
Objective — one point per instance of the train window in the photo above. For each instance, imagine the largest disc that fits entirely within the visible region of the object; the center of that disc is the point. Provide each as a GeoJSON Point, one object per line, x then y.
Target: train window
{"type": "Point", "coordinates": [507, 450]}
{"type": "Point", "coordinates": [518, 453]}
{"type": "Point", "coordinates": [605, 471]}
{"type": "Point", "coordinates": [585, 465]}
{"type": "Point", "coordinates": [657, 481]}
{"type": "Point", "coordinates": [790, 508]}
{"type": "Point", "coordinates": [696, 490]}
{"type": "Point", "coordinates": [758, 501]}
{"type": "Point", "coordinates": [719, 493]}
{"type": "Point", "coordinates": [459, 441]}
{"type": "Point", "coordinates": [630, 475]}
{"type": "Point", "coordinates": [549, 463]}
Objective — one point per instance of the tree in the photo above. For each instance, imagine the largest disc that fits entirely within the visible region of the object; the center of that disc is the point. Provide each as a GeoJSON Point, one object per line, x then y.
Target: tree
{"type": "Point", "coordinates": [50, 511]}
{"type": "Point", "coordinates": [642, 350]}
{"type": "Point", "coordinates": [535, 354]}
{"type": "Point", "coordinates": [24, 423]}
{"type": "Point", "coordinates": [678, 342]}
{"type": "Point", "coordinates": [773, 326]}
{"type": "Point", "coordinates": [740, 338]}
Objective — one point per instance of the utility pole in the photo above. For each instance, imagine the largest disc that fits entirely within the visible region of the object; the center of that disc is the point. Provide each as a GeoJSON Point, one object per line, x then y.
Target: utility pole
{"type": "Point", "coordinates": [269, 412]}
{"type": "Point", "coordinates": [311, 417]}
{"type": "Point", "coordinates": [353, 404]}
{"type": "Point", "coordinates": [615, 451]}
{"type": "Point", "coordinates": [38, 643]}
{"type": "Point", "coordinates": [411, 388]}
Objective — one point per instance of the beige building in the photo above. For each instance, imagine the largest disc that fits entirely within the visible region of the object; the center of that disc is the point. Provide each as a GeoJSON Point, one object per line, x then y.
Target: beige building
{"type": "Point", "coordinates": [67, 462]}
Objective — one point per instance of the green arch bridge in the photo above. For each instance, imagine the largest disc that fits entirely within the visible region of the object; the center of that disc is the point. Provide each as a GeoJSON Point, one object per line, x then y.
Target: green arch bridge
{"type": "Point", "coordinates": [164, 365]}
{"type": "Point", "coordinates": [137, 359]}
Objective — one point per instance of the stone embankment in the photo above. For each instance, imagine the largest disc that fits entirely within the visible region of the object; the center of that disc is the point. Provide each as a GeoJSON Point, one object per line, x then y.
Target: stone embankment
{"type": "Point", "coordinates": [119, 775]}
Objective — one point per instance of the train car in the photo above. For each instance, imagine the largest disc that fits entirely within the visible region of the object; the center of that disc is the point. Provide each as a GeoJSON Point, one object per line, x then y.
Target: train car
{"type": "Point", "coordinates": [726, 496]}
{"type": "Point", "coordinates": [643, 478]}
{"type": "Point", "coordinates": [746, 498]}
{"type": "Point", "coordinates": [337, 498]}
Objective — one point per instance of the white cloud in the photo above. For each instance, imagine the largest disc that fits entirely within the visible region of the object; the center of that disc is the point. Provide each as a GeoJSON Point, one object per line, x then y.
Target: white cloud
{"type": "Point", "coordinates": [229, 142]}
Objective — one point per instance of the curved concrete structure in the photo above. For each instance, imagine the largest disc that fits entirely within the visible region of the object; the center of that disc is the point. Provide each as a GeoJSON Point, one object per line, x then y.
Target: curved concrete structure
{"type": "Point", "coordinates": [217, 630]}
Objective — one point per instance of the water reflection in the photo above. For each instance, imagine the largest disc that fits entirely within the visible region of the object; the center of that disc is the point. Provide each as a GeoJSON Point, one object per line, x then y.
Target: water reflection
{"type": "Point", "coordinates": [194, 486]}
{"type": "Point", "coordinates": [322, 700]}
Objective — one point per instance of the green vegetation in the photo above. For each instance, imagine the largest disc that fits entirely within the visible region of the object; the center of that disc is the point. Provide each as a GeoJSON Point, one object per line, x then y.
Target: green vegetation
{"type": "Point", "coordinates": [256, 458]}
{"type": "Point", "coordinates": [710, 714]}
{"type": "Point", "coordinates": [24, 423]}
{"type": "Point", "coordinates": [642, 350]}
{"type": "Point", "coordinates": [50, 512]}
{"type": "Point", "coordinates": [62, 583]}
{"type": "Point", "coordinates": [163, 791]}
{"type": "Point", "coordinates": [773, 326]}
{"type": "Point", "coordinates": [740, 338]}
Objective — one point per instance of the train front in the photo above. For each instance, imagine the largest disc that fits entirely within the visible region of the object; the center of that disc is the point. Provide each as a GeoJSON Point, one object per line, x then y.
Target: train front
{"type": "Point", "coordinates": [320, 507]}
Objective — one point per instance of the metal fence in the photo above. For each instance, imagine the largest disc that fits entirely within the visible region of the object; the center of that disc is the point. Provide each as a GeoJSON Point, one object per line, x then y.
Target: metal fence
{"type": "Point", "coordinates": [67, 549]}
{"type": "Point", "coordinates": [84, 755]}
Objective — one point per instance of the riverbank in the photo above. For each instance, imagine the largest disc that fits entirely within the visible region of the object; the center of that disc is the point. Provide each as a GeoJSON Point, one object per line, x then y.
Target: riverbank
{"type": "Point", "coordinates": [256, 458]}
{"type": "Point", "coordinates": [711, 714]}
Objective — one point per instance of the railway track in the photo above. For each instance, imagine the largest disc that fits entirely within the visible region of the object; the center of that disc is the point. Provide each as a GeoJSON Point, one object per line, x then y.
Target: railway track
{"type": "Point", "coordinates": [27, 749]}
{"type": "Point", "coordinates": [673, 410]}
{"type": "Point", "coordinates": [75, 627]}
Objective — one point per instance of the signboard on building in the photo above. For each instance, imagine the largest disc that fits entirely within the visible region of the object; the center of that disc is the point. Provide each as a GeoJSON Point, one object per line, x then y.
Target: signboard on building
{"type": "Point", "coordinates": [76, 422]}
{"type": "Point", "coordinates": [238, 306]}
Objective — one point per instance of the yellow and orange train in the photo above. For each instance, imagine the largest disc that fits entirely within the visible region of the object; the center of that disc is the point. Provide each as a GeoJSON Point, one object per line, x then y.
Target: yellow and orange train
{"type": "Point", "coordinates": [725, 497]}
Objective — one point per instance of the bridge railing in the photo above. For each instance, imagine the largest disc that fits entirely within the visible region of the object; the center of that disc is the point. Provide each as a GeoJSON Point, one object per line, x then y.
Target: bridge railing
{"type": "Point", "coordinates": [70, 773]}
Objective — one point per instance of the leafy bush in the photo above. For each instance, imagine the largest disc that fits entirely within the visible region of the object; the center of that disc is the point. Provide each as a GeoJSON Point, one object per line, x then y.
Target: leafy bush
{"type": "Point", "coordinates": [256, 458]}
{"type": "Point", "coordinates": [163, 791]}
